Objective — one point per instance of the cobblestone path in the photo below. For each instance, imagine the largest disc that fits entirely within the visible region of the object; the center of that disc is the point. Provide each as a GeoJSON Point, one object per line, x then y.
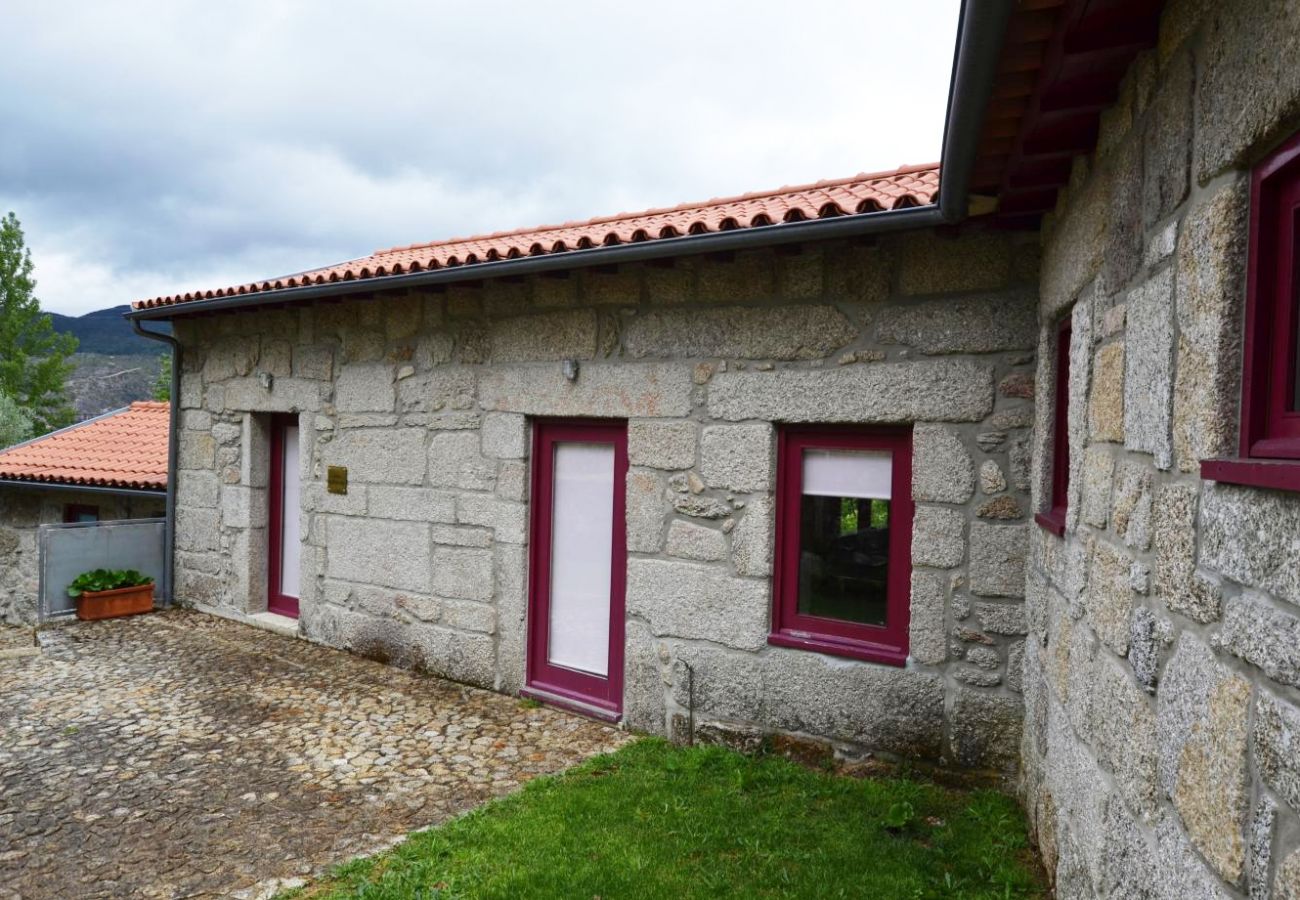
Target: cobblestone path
{"type": "Point", "coordinates": [180, 755]}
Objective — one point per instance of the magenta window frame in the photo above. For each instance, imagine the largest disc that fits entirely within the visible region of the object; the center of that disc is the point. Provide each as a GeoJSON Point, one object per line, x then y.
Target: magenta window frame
{"type": "Point", "coordinates": [1269, 446]}
{"type": "Point", "coordinates": [277, 602]}
{"type": "Point", "coordinates": [1053, 518]}
{"type": "Point", "coordinates": [883, 644]}
{"type": "Point", "coordinates": [583, 691]}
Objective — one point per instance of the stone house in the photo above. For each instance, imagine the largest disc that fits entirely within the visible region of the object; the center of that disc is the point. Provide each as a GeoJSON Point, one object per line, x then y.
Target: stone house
{"type": "Point", "coordinates": [108, 468]}
{"type": "Point", "coordinates": [996, 471]}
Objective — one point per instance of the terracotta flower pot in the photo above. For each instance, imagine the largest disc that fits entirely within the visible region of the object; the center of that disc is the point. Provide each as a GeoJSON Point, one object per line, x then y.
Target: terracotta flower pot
{"type": "Point", "coordinates": [127, 601]}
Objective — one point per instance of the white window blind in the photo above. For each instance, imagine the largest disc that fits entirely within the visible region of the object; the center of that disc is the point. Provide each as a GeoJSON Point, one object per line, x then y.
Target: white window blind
{"type": "Point", "coordinates": [582, 534]}
{"type": "Point", "coordinates": [291, 516]}
{"type": "Point", "coordinates": [848, 473]}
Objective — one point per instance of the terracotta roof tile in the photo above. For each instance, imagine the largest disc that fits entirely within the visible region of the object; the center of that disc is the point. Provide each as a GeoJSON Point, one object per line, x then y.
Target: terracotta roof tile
{"type": "Point", "coordinates": [900, 188]}
{"type": "Point", "coordinates": [126, 449]}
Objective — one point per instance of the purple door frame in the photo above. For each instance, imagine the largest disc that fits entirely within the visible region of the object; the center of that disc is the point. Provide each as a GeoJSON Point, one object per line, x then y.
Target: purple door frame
{"type": "Point", "coordinates": [276, 601]}
{"type": "Point", "coordinates": [580, 691]}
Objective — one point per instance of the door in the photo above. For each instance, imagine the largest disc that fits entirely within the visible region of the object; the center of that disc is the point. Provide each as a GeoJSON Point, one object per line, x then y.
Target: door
{"type": "Point", "coordinates": [578, 565]}
{"type": "Point", "coordinates": [285, 519]}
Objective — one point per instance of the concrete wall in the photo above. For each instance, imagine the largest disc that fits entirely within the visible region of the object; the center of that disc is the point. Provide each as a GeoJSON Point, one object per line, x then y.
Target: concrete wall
{"type": "Point", "coordinates": [427, 399]}
{"type": "Point", "coordinates": [1162, 677]}
{"type": "Point", "coordinates": [22, 511]}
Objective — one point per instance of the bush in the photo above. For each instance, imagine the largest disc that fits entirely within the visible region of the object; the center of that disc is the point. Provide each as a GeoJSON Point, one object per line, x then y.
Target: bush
{"type": "Point", "coordinates": [107, 580]}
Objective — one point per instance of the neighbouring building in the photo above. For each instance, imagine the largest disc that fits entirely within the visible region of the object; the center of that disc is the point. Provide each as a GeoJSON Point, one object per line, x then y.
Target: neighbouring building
{"type": "Point", "coordinates": [996, 471]}
{"type": "Point", "coordinates": [108, 468]}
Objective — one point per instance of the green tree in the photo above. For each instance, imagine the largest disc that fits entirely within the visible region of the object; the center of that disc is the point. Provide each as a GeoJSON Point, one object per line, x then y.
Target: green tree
{"type": "Point", "coordinates": [162, 385]}
{"type": "Point", "coordinates": [34, 364]}
{"type": "Point", "coordinates": [15, 425]}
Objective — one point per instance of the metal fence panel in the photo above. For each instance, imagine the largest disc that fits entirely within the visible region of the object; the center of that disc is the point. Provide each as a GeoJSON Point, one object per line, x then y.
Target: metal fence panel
{"type": "Point", "coordinates": [68, 550]}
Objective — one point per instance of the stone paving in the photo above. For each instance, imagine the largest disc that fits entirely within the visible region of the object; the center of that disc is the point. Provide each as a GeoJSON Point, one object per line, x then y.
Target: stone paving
{"type": "Point", "coordinates": [181, 755]}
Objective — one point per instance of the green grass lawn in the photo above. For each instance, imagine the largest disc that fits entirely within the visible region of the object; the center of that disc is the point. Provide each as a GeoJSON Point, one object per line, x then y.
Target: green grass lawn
{"type": "Point", "coordinates": [658, 821]}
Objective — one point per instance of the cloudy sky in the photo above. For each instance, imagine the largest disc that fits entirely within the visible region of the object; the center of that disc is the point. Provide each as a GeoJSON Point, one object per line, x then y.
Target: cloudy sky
{"type": "Point", "coordinates": [164, 145]}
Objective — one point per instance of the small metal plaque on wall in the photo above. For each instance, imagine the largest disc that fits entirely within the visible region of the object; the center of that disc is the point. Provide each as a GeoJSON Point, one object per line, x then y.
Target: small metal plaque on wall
{"type": "Point", "coordinates": [336, 479]}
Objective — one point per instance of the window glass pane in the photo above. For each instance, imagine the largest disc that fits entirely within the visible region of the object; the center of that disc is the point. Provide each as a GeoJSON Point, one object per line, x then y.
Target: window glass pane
{"type": "Point", "coordinates": [290, 516]}
{"type": "Point", "coordinates": [844, 535]}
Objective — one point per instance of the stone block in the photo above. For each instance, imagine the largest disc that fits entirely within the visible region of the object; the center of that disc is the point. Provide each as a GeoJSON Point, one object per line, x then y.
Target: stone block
{"type": "Point", "coordinates": [456, 461]}
{"type": "Point", "coordinates": [1277, 746]}
{"type": "Point", "coordinates": [198, 450]}
{"type": "Point", "coordinates": [1174, 540]}
{"type": "Point", "coordinates": [938, 537]}
{"type": "Point", "coordinates": [1147, 636]}
{"type": "Point", "coordinates": [1098, 471]}
{"type": "Point", "coordinates": [1073, 244]}
{"type": "Point", "coordinates": [1123, 253]}
{"type": "Point", "coordinates": [1002, 618]}
{"type": "Point", "coordinates": [992, 481]}
{"type": "Point", "coordinates": [948, 390]}
{"type": "Point", "coordinates": [858, 273]}
{"type": "Point", "coordinates": [462, 573]}
{"type": "Point", "coordinates": [1110, 599]}
{"type": "Point", "coordinates": [1264, 636]}
{"type": "Point", "coordinates": [365, 387]}
{"type": "Point", "coordinates": [444, 388]}
{"type": "Point", "coordinates": [378, 455]}
{"type": "Point", "coordinates": [738, 457]}
{"type": "Point", "coordinates": [698, 602]}
{"type": "Point", "coordinates": [661, 444]}
{"type": "Point", "coordinates": [997, 560]}
{"type": "Point", "coordinates": [942, 470]}
{"type": "Point", "coordinates": [197, 530]}
{"type": "Point", "coordinates": [1180, 873]}
{"type": "Point", "coordinates": [1106, 408]}
{"type": "Point", "coordinates": [1123, 729]}
{"type": "Point", "coordinates": [611, 390]}
{"type": "Point", "coordinates": [753, 539]}
{"type": "Point", "coordinates": [566, 334]}
{"type": "Point", "coordinates": [378, 552]}
{"type": "Point", "coordinates": [985, 730]}
{"type": "Point", "coordinates": [646, 510]}
{"type": "Point", "coordinates": [1131, 516]}
{"type": "Point", "coordinates": [928, 643]}
{"type": "Point", "coordinates": [933, 264]}
{"type": "Point", "coordinates": [1248, 92]}
{"type": "Point", "coordinates": [1248, 535]}
{"type": "Point", "coordinates": [1203, 722]}
{"type": "Point", "coordinates": [197, 489]}
{"type": "Point", "coordinates": [687, 540]}
{"type": "Point", "coordinates": [414, 504]}
{"type": "Point", "coordinates": [1211, 270]}
{"type": "Point", "coordinates": [1127, 861]}
{"type": "Point", "coordinates": [981, 324]}
{"type": "Point", "coordinates": [1286, 883]}
{"type": "Point", "coordinates": [505, 436]}
{"type": "Point", "coordinates": [786, 332]}
{"type": "Point", "coordinates": [250, 395]}
{"type": "Point", "coordinates": [881, 708]}
{"type": "Point", "coordinates": [1149, 362]}
{"type": "Point", "coordinates": [507, 519]}
{"type": "Point", "coordinates": [1167, 141]}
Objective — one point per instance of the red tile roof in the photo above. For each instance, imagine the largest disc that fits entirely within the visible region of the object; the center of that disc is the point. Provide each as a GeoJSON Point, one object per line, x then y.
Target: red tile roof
{"type": "Point", "coordinates": [126, 449]}
{"type": "Point", "coordinates": [903, 187]}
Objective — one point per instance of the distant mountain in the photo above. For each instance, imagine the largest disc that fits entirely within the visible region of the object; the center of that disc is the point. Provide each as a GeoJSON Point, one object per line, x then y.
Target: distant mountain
{"type": "Point", "coordinates": [106, 332]}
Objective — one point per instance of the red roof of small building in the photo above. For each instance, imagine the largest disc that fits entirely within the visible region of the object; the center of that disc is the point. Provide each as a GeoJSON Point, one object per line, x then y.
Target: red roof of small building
{"type": "Point", "coordinates": [903, 187]}
{"type": "Point", "coordinates": [126, 449]}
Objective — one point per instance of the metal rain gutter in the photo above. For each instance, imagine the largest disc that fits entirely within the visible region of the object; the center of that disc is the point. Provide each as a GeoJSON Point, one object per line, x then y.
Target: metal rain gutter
{"type": "Point", "coordinates": [980, 31]}
{"type": "Point", "coordinates": [78, 488]}
{"type": "Point", "coordinates": [173, 453]}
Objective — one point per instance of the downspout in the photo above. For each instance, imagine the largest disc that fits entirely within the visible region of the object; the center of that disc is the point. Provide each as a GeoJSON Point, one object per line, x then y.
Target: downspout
{"type": "Point", "coordinates": [173, 454]}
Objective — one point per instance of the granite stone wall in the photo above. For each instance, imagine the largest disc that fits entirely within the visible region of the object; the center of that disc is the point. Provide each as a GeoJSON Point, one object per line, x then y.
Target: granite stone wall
{"type": "Point", "coordinates": [428, 400]}
{"type": "Point", "coordinates": [1161, 754]}
{"type": "Point", "coordinates": [22, 511]}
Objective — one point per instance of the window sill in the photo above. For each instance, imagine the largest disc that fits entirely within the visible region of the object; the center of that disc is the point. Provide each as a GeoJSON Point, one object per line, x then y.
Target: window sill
{"type": "Point", "coordinates": [1053, 520]}
{"type": "Point", "coordinates": [1277, 474]}
{"type": "Point", "coordinates": [852, 649]}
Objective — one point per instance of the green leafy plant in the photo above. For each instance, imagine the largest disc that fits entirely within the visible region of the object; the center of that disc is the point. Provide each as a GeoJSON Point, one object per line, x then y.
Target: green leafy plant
{"type": "Point", "coordinates": [899, 816]}
{"type": "Point", "coordinates": [107, 580]}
